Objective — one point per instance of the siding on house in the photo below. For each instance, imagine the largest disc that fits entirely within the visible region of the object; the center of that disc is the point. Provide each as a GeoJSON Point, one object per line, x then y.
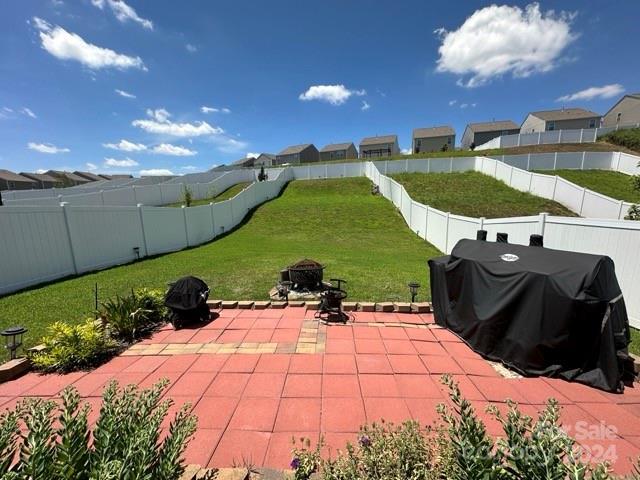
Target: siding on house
{"type": "Point", "coordinates": [338, 151]}
{"type": "Point", "coordinates": [67, 178]}
{"type": "Point", "coordinates": [626, 111]}
{"type": "Point", "coordinates": [563, 119]}
{"type": "Point", "coordinates": [379, 146]}
{"type": "Point", "coordinates": [482, 132]}
{"type": "Point", "coordinates": [13, 181]}
{"type": "Point", "coordinates": [297, 154]}
{"type": "Point", "coordinates": [433, 139]}
{"type": "Point", "coordinates": [265, 160]}
{"type": "Point", "coordinates": [43, 181]}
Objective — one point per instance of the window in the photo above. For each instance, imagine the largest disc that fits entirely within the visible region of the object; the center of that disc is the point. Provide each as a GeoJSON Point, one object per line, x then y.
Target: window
{"type": "Point", "coordinates": [449, 140]}
{"type": "Point", "coordinates": [592, 123]}
{"type": "Point", "coordinates": [618, 117]}
{"type": "Point", "coordinates": [551, 126]}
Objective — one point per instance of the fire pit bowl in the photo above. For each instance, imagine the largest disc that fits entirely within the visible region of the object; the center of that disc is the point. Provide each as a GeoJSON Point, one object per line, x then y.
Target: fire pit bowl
{"type": "Point", "coordinates": [306, 274]}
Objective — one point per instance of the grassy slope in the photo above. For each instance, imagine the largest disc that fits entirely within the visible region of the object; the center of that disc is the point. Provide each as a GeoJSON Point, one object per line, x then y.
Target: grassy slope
{"type": "Point", "coordinates": [226, 195]}
{"type": "Point", "coordinates": [475, 195]}
{"type": "Point", "coordinates": [628, 138]}
{"type": "Point", "coordinates": [614, 184]}
{"type": "Point", "coordinates": [359, 237]}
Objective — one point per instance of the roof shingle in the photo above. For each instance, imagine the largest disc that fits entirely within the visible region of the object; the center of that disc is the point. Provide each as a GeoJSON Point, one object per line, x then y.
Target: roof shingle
{"type": "Point", "coordinates": [564, 114]}
{"type": "Point", "coordinates": [294, 149]}
{"type": "Point", "coordinates": [9, 176]}
{"type": "Point", "coordinates": [497, 125]}
{"type": "Point", "coordinates": [333, 147]}
{"type": "Point", "coordinates": [378, 140]}
{"type": "Point", "coordinates": [431, 132]}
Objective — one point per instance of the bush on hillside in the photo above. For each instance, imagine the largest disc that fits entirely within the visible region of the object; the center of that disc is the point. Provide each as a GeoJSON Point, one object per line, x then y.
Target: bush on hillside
{"type": "Point", "coordinates": [629, 138]}
{"type": "Point", "coordinates": [41, 439]}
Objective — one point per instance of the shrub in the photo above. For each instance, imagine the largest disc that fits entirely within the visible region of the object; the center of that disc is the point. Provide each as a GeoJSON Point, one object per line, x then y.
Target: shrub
{"type": "Point", "coordinates": [153, 301]}
{"type": "Point", "coordinates": [73, 347]}
{"type": "Point", "coordinates": [187, 196]}
{"type": "Point", "coordinates": [629, 138]}
{"type": "Point", "coordinates": [132, 316]}
{"type": "Point", "coordinates": [125, 443]}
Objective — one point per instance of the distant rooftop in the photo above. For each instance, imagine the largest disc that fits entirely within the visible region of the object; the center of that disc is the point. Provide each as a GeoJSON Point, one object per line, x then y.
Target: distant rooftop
{"type": "Point", "coordinates": [564, 114]}
{"type": "Point", "coordinates": [379, 139]}
{"type": "Point", "coordinates": [9, 176]}
{"type": "Point", "coordinates": [294, 149]}
{"type": "Point", "coordinates": [69, 175]}
{"type": "Point", "coordinates": [430, 132]}
{"type": "Point", "coordinates": [333, 147]}
{"type": "Point", "coordinates": [493, 126]}
{"type": "Point", "coordinates": [89, 175]}
{"type": "Point", "coordinates": [41, 177]}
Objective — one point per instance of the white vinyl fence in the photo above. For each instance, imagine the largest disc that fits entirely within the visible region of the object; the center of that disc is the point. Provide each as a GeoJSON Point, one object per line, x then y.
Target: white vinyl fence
{"type": "Point", "coordinates": [620, 240]}
{"type": "Point", "coordinates": [45, 242]}
{"type": "Point", "coordinates": [584, 135]}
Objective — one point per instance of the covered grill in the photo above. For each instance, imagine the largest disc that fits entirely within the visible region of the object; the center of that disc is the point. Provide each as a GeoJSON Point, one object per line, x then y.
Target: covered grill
{"type": "Point", "coordinates": [306, 274]}
{"type": "Point", "coordinates": [187, 301]}
{"type": "Point", "coordinates": [540, 311]}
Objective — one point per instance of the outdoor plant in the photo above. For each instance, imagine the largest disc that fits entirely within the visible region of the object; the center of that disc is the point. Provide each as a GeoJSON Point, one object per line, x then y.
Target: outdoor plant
{"type": "Point", "coordinates": [57, 443]}
{"type": "Point", "coordinates": [153, 301]}
{"type": "Point", "coordinates": [133, 315]}
{"type": "Point", "coordinates": [187, 196]}
{"type": "Point", "coordinates": [634, 211]}
{"type": "Point", "coordinates": [72, 347]}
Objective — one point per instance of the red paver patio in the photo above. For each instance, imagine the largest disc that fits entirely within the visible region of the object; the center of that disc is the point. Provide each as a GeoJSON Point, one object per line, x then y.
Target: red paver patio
{"type": "Point", "coordinates": [251, 402]}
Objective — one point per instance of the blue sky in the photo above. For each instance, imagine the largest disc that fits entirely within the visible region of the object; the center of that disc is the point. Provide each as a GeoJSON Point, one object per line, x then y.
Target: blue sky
{"type": "Point", "coordinates": [77, 77]}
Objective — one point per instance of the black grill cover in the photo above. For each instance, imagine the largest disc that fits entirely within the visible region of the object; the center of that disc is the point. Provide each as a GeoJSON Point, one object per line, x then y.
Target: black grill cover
{"type": "Point", "coordinates": [186, 294]}
{"type": "Point", "coordinates": [540, 311]}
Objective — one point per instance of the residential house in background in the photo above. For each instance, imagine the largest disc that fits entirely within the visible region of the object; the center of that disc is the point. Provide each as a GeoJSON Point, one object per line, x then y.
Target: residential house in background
{"type": "Point", "coordinates": [67, 179]}
{"type": "Point", "coordinates": [42, 180]}
{"type": "Point", "coordinates": [338, 151]}
{"type": "Point", "coordinates": [626, 111]}
{"type": "Point", "coordinates": [13, 181]}
{"type": "Point", "coordinates": [118, 176]}
{"type": "Point", "coordinates": [562, 119]}
{"type": "Point", "coordinates": [379, 146]}
{"type": "Point", "coordinates": [296, 154]}
{"type": "Point", "coordinates": [481, 132]}
{"type": "Point", "coordinates": [92, 177]}
{"type": "Point", "coordinates": [243, 162]}
{"type": "Point", "coordinates": [433, 139]}
{"type": "Point", "coordinates": [265, 160]}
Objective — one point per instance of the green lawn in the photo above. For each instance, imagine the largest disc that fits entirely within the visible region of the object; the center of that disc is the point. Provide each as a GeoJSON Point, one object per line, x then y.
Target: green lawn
{"type": "Point", "coordinates": [359, 237]}
{"type": "Point", "coordinates": [474, 194]}
{"type": "Point", "coordinates": [613, 184]}
{"type": "Point", "coordinates": [226, 195]}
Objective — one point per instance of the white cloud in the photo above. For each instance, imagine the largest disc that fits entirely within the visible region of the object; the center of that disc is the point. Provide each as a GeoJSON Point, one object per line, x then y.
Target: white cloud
{"type": "Point", "coordinates": [123, 12]}
{"type": "Point", "coordinates": [227, 144]}
{"type": "Point", "coordinates": [205, 109]}
{"type": "Point", "coordinates": [124, 94]}
{"type": "Point", "coordinates": [406, 151]}
{"type": "Point", "coordinates": [159, 123]}
{"type": "Point", "coordinates": [155, 172]}
{"type": "Point", "coordinates": [189, 168]}
{"type": "Point", "coordinates": [365, 106]}
{"type": "Point", "coordinates": [498, 40]}
{"type": "Point", "coordinates": [191, 48]}
{"type": "Point", "coordinates": [125, 162]}
{"type": "Point", "coordinates": [252, 155]}
{"type": "Point", "coordinates": [126, 146]}
{"type": "Point", "coordinates": [28, 112]}
{"type": "Point", "coordinates": [70, 46]}
{"type": "Point", "coordinates": [452, 102]}
{"type": "Point", "coordinates": [606, 91]}
{"type": "Point", "coordinates": [91, 166]}
{"type": "Point", "coordinates": [175, 150]}
{"type": "Point", "coordinates": [47, 148]}
{"type": "Point", "coordinates": [41, 171]}
{"type": "Point", "coordinates": [333, 94]}
{"type": "Point", "coordinates": [464, 105]}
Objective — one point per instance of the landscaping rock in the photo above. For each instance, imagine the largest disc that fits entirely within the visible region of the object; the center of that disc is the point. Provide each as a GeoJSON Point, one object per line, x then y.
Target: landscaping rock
{"type": "Point", "coordinates": [349, 306]}
{"type": "Point", "coordinates": [278, 304]}
{"type": "Point", "coordinates": [232, 474]}
{"type": "Point", "coordinates": [384, 307]}
{"type": "Point", "coordinates": [313, 305]}
{"type": "Point", "coordinates": [421, 307]}
{"type": "Point", "coordinates": [261, 305]}
{"type": "Point", "coordinates": [367, 306]}
{"type": "Point", "coordinates": [229, 304]}
{"type": "Point", "coordinates": [296, 303]}
{"type": "Point", "coordinates": [245, 304]}
{"type": "Point", "coordinates": [214, 304]}
{"type": "Point", "coordinates": [403, 307]}
{"type": "Point", "coordinates": [14, 368]}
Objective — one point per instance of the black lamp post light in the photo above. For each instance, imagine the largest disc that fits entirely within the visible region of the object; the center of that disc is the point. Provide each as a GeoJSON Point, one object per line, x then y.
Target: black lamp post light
{"type": "Point", "coordinates": [13, 339]}
{"type": "Point", "coordinates": [413, 288]}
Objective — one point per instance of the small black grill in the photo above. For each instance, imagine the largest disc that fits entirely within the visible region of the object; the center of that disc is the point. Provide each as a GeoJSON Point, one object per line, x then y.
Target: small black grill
{"type": "Point", "coordinates": [331, 302]}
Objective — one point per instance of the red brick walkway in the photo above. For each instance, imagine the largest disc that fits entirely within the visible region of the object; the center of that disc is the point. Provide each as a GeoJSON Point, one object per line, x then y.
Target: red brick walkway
{"type": "Point", "coordinates": [383, 365]}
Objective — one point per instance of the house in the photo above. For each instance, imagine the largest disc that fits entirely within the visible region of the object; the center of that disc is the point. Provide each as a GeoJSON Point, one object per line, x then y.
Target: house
{"type": "Point", "coordinates": [379, 146]}
{"type": "Point", "coordinates": [92, 177]}
{"type": "Point", "coordinates": [433, 139]}
{"type": "Point", "coordinates": [13, 181]}
{"type": "Point", "coordinates": [298, 154]}
{"type": "Point", "coordinates": [119, 176]}
{"type": "Point", "coordinates": [562, 119]}
{"type": "Point", "coordinates": [626, 111]}
{"type": "Point", "coordinates": [42, 180]}
{"type": "Point", "coordinates": [105, 177]}
{"type": "Point", "coordinates": [265, 160]}
{"type": "Point", "coordinates": [479, 133]}
{"type": "Point", "coordinates": [338, 151]}
{"type": "Point", "coordinates": [245, 162]}
{"type": "Point", "coordinates": [67, 179]}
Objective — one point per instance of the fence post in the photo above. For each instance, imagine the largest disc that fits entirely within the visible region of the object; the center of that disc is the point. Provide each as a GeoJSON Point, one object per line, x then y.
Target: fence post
{"type": "Point", "coordinates": [482, 219]}
{"type": "Point", "coordinates": [451, 165]}
{"type": "Point", "coordinates": [326, 171]}
{"type": "Point", "coordinates": [102, 196]}
{"type": "Point", "coordinates": [135, 195]}
{"type": "Point", "coordinates": [581, 133]}
{"type": "Point", "coordinates": [555, 185]}
{"type": "Point", "coordinates": [528, 161]}
{"type": "Point", "coordinates": [542, 222]}
{"type": "Point", "coordinates": [519, 137]}
{"type": "Point", "coordinates": [428, 165]}
{"type": "Point", "coordinates": [620, 212]}
{"type": "Point", "coordinates": [426, 223]}
{"type": "Point", "coordinates": [144, 234]}
{"type": "Point", "coordinates": [539, 137]}
{"type": "Point", "coordinates": [559, 136]}
{"type": "Point", "coordinates": [186, 229]}
{"type": "Point", "coordinates": [68, 227]}
{"type": "Point", "coordinates": [406, 166]}
{"type": "Point", "coordinates": [584, 193]}
{"type": "Point", "coordinates": [213, 223]}
{"type": "Point", "coordinates": [161, 198]}
{"type": "Point", "coordinates": [511, 177]}
{"type": "Point", "coordinates": [555, 160]}
{"type": "Point", "coordinates": [582, 162]}
{"type": "Point", "coordinates": [446, 236]}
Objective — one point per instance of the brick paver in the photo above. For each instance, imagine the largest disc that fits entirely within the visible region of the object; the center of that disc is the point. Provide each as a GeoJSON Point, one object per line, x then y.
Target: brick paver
{"type": "Point", "coordinates": [257, 378]}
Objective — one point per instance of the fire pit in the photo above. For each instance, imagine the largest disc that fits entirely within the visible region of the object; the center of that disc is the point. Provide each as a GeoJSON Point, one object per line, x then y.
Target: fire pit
{"type": "Point", "coordinates": [306, 275]}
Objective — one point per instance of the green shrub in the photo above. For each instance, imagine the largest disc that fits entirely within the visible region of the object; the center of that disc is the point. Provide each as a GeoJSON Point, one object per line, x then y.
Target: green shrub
{"type": "Point", "coordinates": [458, 448]}
{"type": "Point", "coordinates": [187, 196]}
{"type": "Point", "coordinates": [153, 301]}
{"type": "Point", "coordinates": [73, 347]}
{"type": "Point", "coordinates": [134, 315]}
{"type": "Point", "coordinates": [629, 138]}
{"type": "Point", "coordinates": [125, 443]}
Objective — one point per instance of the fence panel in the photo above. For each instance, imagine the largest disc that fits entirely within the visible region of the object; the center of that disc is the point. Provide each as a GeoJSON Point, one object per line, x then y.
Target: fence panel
{"type": "Point", "coordinates": [171, 193]}
{"type": "Point", "coordinates": [34, 246]}
{"type": "Point", "coordinates": [628, 164]}
{"type": "Point", "coordinates": [521, 180]}
{"type": "Point", "coordinates": [568, 194]}
{"type": "Point", "coordinates": [222, 217]}
{"type": "Point", "coordinates": [600, 206]}
{"type": "Point", "coordinates": [503, 173]}
{"type": "Point", "coordinates": [569, 160]}
{"type": "Point", "coordinates": [94, 244]}
{"type": "Point", "coordinates": [148, 195]}
{"type": "Point", "coordinates": [164, 229]}
{"type": "Point", "coordinates": [440, 165]}
{"type": "Point", "coordinates": [542, 161]}
{"type": "Point", "coordinates": [119, 197]}
{"type": "Point", "coordinates": [418, 222]}
{"type": "Point", "coordinates": [437, 230]}
{"type": "Point", "coordinates": [461, 227]}
{"type": "Point", "coordinates": [542, 185]}
{"type": "Point", "coordinates": [199, 224]}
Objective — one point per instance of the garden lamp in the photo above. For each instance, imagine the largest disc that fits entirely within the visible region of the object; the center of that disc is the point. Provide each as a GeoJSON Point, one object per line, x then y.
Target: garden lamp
{"type": "Point", "coordinates": [13, 339]}
{"type": "Point", "coordinates": [413, 288]}
{"type": "Point", "coordinates": [286, 286]}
